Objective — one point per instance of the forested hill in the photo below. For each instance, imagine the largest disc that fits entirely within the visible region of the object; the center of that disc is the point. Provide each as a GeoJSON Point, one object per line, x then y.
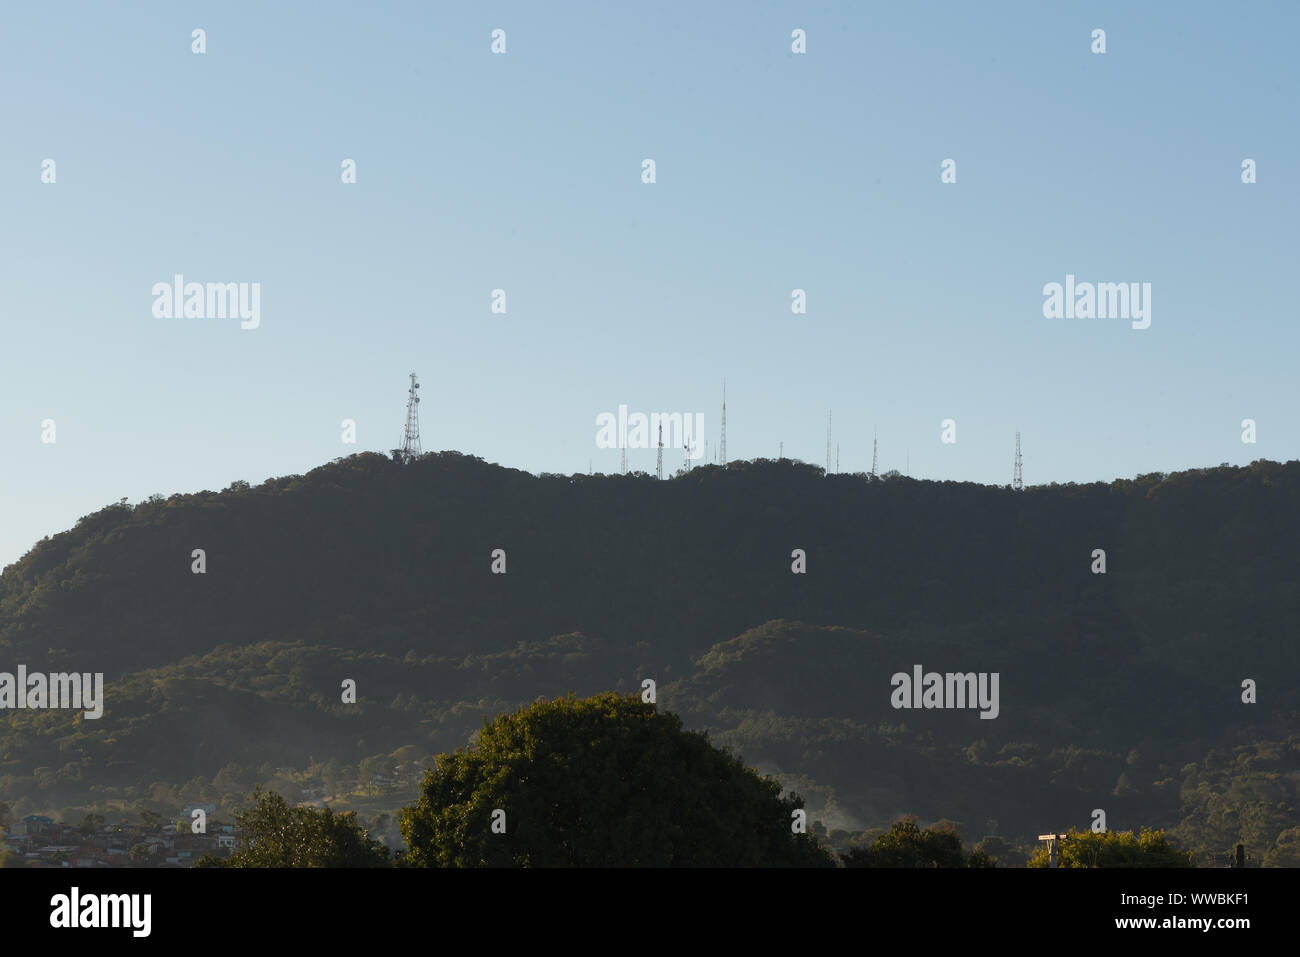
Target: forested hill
{"type": "Point", "coordinates": [1120, 690]}
{"type": "Point", "coordinates": [372, 554]}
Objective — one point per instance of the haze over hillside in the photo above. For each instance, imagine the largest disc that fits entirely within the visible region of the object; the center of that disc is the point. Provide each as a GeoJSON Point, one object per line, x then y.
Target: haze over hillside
{"type": "Point", "coordinates": [1119, 690]}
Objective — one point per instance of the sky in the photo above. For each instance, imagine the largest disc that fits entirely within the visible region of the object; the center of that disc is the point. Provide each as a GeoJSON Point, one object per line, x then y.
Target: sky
{"type": "Point", "coordinates": [523, 171]}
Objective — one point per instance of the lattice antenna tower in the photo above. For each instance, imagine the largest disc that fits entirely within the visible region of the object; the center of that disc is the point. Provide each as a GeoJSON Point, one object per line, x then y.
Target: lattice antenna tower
{"type": "Point", "coordinates": [837, 458]}
{"type": "Point", "coordinates": [722, 446]}
{"type": "Point", "coordinates": [659, 468]}
{"type": "Point", "coordinates": [411, 435]}
{"type": "Point", "coordinates": [1017, 475]}
{"type": "Point", "coordinates": [875, 450]}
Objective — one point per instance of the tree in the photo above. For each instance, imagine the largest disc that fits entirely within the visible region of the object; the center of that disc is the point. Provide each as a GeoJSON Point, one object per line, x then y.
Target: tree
{"type": "Point", "coordinates": [277, 835]}
{"type": "Point", "coordinates": [995, 848]}
{"type": "Point", "coordinates": [906, 845]}
{"type": "Point", "coordinates": [1150, 848]}
{"type": "Point", "coordinates": [600, 781]}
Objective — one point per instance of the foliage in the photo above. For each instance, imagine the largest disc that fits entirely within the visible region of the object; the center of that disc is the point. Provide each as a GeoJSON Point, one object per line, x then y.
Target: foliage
{"type": "Point", "coordinates": [601, 781]}
{"type": "Point", "coordinates": [907, 845]}
{"type": "Point", "coordinates": [277, 835]}
{"type": "Point", "coordinates": [1150, 848]}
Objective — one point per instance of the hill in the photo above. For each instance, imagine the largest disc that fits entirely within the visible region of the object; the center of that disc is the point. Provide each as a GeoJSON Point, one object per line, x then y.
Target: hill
{"type": "Point", "coordinates": [1120, 691]}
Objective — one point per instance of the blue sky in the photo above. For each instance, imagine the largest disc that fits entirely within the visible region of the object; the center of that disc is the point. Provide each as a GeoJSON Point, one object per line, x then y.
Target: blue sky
{"type": "Point", "coordinates": [522, 171]}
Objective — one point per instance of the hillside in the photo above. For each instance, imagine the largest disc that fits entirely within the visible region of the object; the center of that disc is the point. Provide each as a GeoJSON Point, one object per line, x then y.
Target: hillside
{"type": "Point", "coordinates": [1119, 691]}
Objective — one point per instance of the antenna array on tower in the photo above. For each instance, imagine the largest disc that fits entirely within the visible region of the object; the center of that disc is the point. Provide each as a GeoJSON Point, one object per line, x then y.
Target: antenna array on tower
{"type": "Point", "coordinates": [659, 468]}
{"type": "Point", "coordinates": [1017, 475]}
{"type": "Point", "coordinates": [411, 435]}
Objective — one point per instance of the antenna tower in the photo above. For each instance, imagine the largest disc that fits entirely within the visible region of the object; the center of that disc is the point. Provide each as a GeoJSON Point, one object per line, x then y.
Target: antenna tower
{"type": "Point", "coordinates": [829, 416]}
{"type": "Point", "coordinates": [875, 449]}
{"type": "Point", "coordinates": [1017, 476]}
{"type": "Point", "coordinates": [722, 446]}
{"type": "Point", "coordinates": [411, 435]}
{"type": "Point", "coordinates": [659, 468]}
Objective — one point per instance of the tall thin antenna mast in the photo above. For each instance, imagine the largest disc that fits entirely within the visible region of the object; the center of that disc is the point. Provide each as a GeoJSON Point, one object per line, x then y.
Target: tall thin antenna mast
{"type": "Point", "coordinates": [722, 447]}
{"type": "Point", "coordinates": [837, 458]}
{"type": "Point", "coordinates": [659, 468]}
{"type": "Point", "coordinates": [1017, 475]}
{"type": "Point", "coordinates": [781, 454]}
{"type": "Point", "coordinates": [411, 435]}
{"type": "Point", "coordinates": [875, 449]}
{"type": "Point", "coordinates": [829, 416]}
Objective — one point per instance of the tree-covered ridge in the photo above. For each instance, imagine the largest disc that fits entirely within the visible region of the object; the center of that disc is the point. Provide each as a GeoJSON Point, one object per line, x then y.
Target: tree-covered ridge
{"type": "Point", "coordinates": [1119, 690]}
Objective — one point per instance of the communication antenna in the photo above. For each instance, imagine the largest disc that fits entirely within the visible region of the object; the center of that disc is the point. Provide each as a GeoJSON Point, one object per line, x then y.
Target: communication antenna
{"type": "Point", "coordinates": [722, 447]}
{"type": "Point", "coordinates": [875, 449]}
{"type": "Point", "coordinates": [411, 435]}
{"type": "Point", "coordinates": [659, 468]}
{"type": "Point", "coordinates": [1017, 475]}
{"type": "Point", "coordinates": [829, 416]}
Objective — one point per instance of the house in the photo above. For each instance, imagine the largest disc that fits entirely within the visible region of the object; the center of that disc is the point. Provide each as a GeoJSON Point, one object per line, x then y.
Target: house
{"type": "Point", "coordinates": [38, 824]}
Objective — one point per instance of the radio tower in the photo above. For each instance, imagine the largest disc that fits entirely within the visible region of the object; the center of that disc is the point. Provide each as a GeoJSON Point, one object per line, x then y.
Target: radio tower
{"type": "Point", "coordinates": [829, 416]}
{"type": "Point", "coordinates": [875, 448]}
{"type": "Point", "coordinates": [1017, 476]}
{"type": "Point", "coordinates": [411, 437]}
{"type": "Point", "coordinates": [837, 458]}
{"type": "Point", "coordinates": [659, 469]}
{"type": "Point", "coordinates": [722, 446]}
{"type": "Point", "coordinates": [623, 464]}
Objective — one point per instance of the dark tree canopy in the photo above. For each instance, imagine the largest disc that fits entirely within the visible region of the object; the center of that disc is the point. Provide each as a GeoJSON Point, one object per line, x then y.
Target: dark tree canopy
{"type": "Point", "coordinates": [907, 845]}
{"type": "Point", "coordinates": [601, 781]}
{"type": "Point", "coordinates": [277, 835]}
{"type": "Point", "coordinates": [1149, 848]}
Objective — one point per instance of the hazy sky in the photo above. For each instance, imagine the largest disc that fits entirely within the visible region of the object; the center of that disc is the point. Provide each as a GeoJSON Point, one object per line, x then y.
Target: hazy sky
{"type": "Point", "coordinates": [522, 172]}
